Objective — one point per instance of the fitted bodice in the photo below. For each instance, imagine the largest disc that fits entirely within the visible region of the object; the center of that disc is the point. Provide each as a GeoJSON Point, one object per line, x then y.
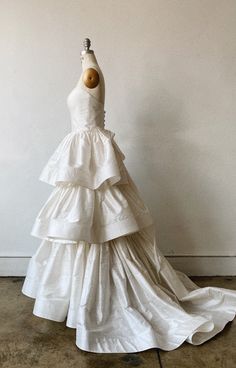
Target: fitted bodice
{"type": "Point", "coordinates": [85, 109]}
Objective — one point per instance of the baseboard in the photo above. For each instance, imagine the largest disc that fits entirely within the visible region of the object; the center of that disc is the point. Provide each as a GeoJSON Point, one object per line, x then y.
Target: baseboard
{"type": "Point", "coordinates": [191, 265]}
{"type": "Point", "coordinates": [13, 266]}
{"type": "Point", "coordinates": [204, 265]}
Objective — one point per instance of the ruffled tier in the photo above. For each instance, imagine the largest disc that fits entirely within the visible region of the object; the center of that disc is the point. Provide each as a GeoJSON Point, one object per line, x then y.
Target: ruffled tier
{"type": "Point", "coordinates": [124, 296]}
{"type": "Point", "coordinates": [76, 213]}
{"type": "Point", "coordinates": [86, 157]}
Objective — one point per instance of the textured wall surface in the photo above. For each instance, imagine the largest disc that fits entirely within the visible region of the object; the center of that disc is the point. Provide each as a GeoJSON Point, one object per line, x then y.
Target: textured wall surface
{"type": "Point", "coordinates": [170, 73]}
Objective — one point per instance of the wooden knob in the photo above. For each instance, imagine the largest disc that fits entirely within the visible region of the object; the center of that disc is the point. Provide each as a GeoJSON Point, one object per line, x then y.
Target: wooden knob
{"type": "Point", "coordinates": [91, 78]}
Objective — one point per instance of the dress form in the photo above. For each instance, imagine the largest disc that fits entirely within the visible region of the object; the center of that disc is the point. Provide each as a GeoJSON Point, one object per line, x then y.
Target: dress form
{"type": "Point", "coordinates": [98, 265]}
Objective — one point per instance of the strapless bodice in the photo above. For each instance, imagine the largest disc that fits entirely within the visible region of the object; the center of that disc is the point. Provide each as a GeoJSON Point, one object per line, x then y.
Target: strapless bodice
{"type": "Point", "coordinates": [85, 110]}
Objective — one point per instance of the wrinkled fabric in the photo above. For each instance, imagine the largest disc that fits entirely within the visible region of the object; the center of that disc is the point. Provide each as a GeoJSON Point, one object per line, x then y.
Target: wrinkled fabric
{"type": "Point", "coordinates": [86, 157]}
{"type": "Point", "coordinates": [98, 265]}
{"type": "Point", "coordinates": [123, 295]}
{"type": "Point", "coordinates": [79, 213]}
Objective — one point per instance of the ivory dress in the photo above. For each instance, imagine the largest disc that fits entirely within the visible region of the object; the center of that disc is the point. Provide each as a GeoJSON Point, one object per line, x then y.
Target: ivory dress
{"type": "Point", "coordinates": [98, 266]}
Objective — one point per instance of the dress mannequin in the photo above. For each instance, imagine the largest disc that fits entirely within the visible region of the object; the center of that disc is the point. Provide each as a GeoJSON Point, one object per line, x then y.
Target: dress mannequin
{"type": "Point", "coordinates": [98, 265]}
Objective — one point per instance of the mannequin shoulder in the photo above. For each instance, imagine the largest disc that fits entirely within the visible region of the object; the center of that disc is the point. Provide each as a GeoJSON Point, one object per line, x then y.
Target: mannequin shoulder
{"type": "Point", "coordinates": [90, 77]}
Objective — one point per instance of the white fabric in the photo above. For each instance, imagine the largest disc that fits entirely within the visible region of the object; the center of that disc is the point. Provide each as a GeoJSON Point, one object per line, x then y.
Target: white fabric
{"type": "Point", "coordinates": [78, 213]}
{"type": "Point", "coordinates": [123, 295]}
{"type": "Point", "coordinates": [98, 265]}
{"type": "Point", "coordinates": [86, 157]}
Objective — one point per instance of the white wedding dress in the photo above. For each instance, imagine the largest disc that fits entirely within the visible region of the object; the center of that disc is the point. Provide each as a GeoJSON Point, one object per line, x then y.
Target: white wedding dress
{"type": "Point", "coordinates": [98, 266]}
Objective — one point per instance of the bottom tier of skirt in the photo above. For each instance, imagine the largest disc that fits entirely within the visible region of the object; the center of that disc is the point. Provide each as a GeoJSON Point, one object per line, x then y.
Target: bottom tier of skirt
{"type": "Point", "coordinates": [123, 295]}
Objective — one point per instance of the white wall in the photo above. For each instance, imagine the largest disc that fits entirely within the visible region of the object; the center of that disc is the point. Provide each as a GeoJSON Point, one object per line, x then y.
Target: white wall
{"type": "Point", "coordinates": [170, 72]}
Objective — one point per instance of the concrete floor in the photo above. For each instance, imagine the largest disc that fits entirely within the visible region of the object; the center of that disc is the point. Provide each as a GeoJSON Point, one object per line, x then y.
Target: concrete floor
{"type": "Point", "coordinates": [30, 341]}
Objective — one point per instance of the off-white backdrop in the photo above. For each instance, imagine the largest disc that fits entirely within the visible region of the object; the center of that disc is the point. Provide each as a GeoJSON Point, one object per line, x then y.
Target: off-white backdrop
{"type": "Point", "coordinates": [170, 73]}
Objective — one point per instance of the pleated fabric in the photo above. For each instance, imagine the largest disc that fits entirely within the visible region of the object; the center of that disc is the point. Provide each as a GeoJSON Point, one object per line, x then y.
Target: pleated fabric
{"type": "Point", "coordinates": [123, 295]}
{"type": "Point", "coordinates": [86, 157]}
{"type": "Point", "coordinates": [78, 213]}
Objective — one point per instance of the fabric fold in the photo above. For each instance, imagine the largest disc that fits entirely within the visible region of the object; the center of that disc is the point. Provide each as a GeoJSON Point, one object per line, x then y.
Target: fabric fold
{"type": "Point", "coordinates": [76, 213]}
{"type": "Point", "coordinates": [87, 157]}
{"type": "Point", "coordinates": [118, 295]}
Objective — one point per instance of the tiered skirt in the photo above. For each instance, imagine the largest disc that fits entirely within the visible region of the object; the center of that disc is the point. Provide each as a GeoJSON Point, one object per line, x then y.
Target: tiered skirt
{"type": "Point", "coordinates": [98, 266]}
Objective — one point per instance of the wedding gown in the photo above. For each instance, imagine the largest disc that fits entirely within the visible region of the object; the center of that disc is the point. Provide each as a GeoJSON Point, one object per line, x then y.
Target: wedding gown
{"type": "Point", "coordinates": [98, 265]}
